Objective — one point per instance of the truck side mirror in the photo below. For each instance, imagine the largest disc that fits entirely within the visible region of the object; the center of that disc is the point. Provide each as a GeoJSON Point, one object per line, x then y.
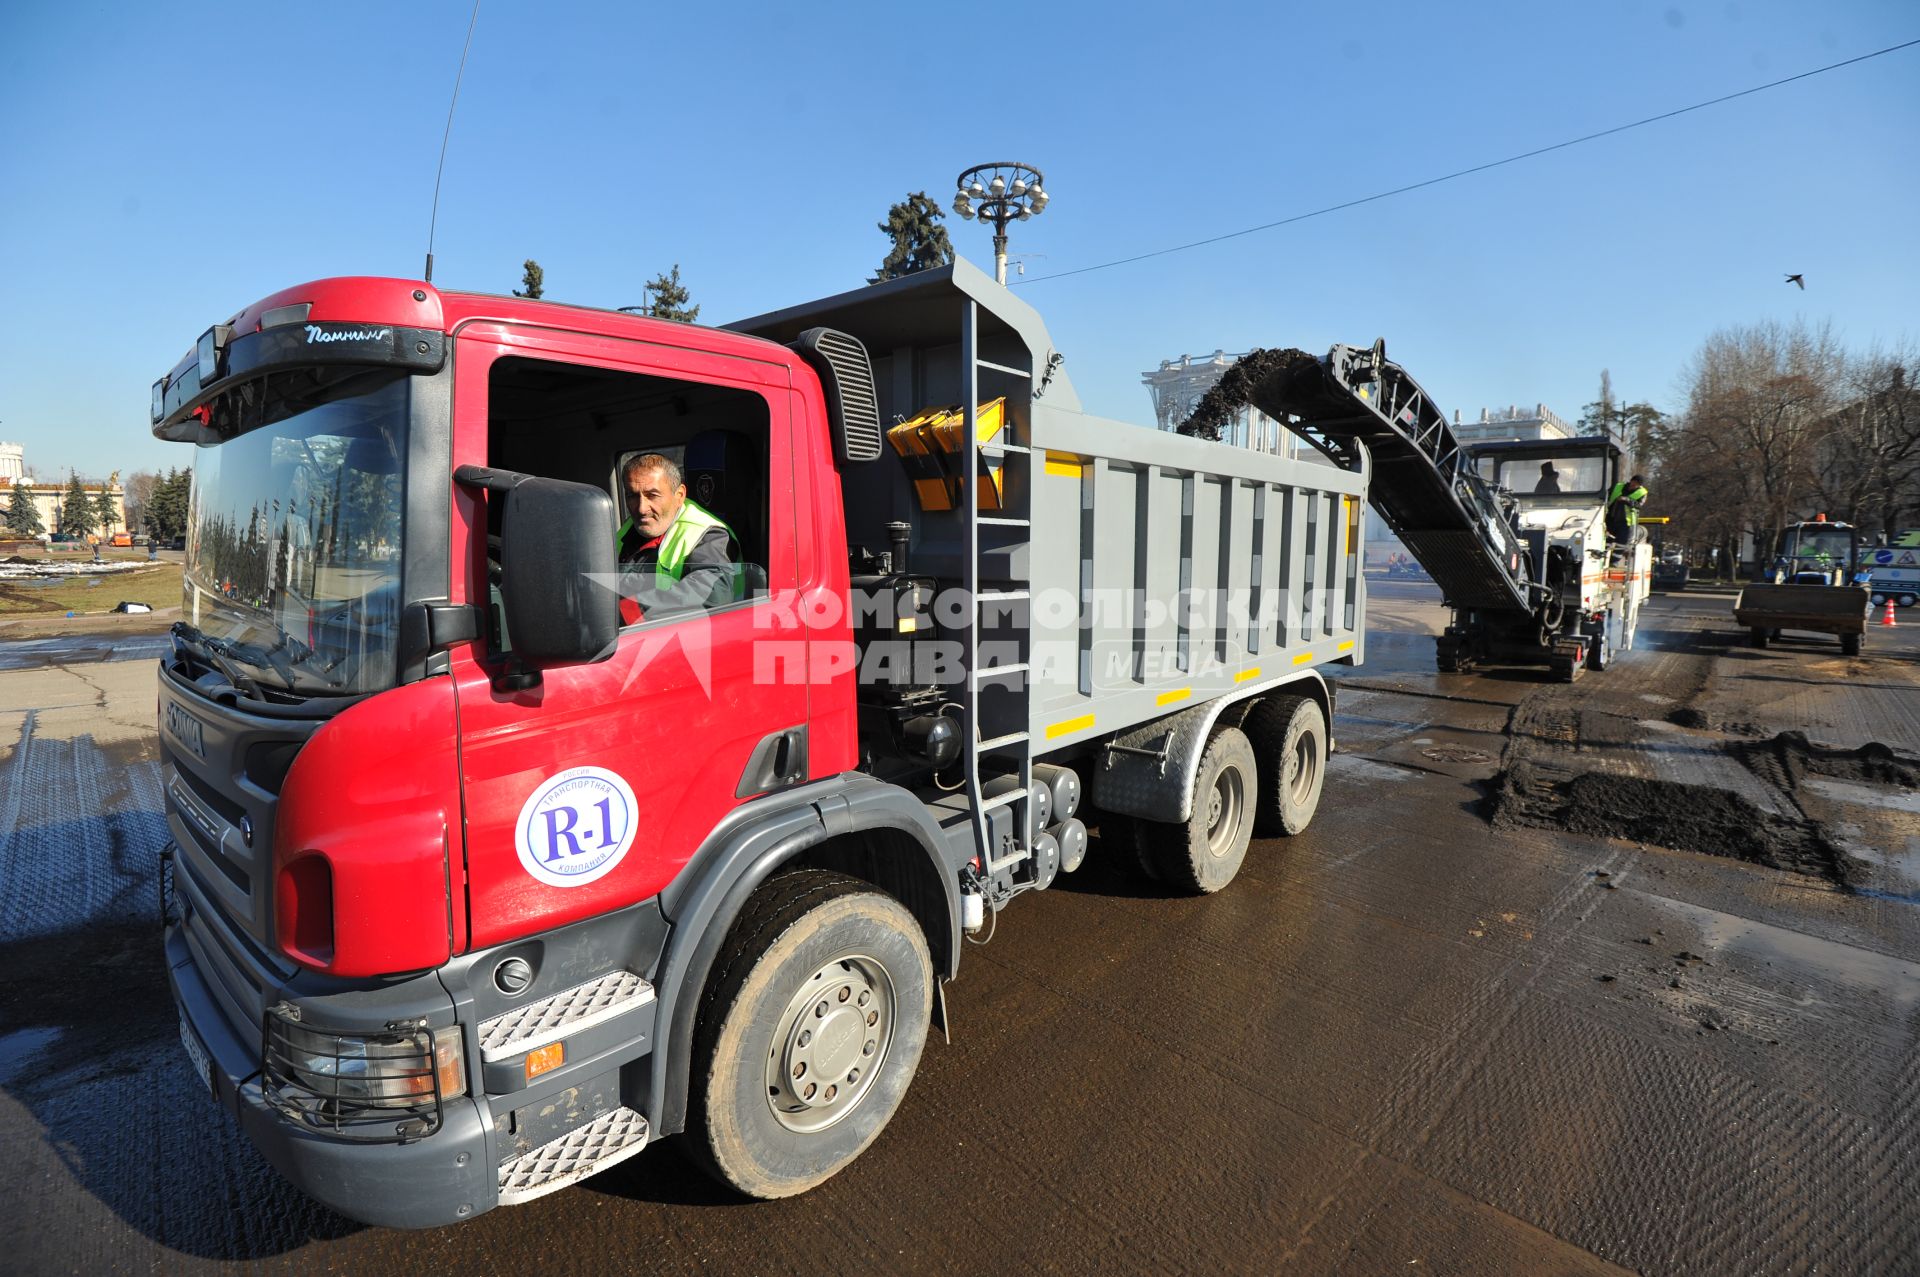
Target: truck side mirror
{"type": "Point", "coordinates": [557, 572]}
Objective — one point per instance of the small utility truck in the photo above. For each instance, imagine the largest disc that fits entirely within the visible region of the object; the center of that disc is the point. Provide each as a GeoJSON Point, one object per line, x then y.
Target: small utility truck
{"type": "Point", "coordinates": [1810, 587]}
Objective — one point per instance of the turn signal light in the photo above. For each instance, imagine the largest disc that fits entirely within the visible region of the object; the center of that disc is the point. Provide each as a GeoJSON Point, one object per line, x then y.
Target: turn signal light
{"type": "Point", "coordinates": [545, 1059]}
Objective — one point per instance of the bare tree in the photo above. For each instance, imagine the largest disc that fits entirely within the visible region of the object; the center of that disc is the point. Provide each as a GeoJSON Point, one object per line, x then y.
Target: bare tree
{"type": "Point", "coordinates": [1869, 462]}
{"type": "Point", "coordinates": [1759, 399]}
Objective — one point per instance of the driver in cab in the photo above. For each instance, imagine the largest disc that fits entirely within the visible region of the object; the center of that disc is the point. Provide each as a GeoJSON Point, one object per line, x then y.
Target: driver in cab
{"type": "Point", "coordinates": [674, 555]}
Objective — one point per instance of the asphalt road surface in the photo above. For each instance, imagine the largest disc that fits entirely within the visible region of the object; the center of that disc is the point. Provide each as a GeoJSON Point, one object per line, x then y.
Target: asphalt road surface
{"type": "Point", "coordinates": [1415, 1038]}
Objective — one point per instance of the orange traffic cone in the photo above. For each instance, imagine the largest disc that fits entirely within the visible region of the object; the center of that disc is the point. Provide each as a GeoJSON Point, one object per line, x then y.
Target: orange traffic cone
{"type": "Point", "coordinates": [1888, 618]}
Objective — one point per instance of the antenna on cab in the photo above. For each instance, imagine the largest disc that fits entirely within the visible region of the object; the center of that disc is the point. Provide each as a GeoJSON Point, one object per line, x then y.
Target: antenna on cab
{"type": "Point", "coordinates": [433, 222]}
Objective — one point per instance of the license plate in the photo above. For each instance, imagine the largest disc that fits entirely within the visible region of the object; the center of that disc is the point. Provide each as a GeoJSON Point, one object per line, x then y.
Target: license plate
{"type": "Point", "coordinates": [202, 1066]}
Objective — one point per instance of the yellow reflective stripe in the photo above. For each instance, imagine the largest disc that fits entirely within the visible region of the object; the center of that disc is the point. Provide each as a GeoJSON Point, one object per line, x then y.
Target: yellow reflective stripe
{"type": "Point", "coordinates": [1070, 726]}
{"type": "Point", "coordinates": [1174, 697]}
{"type": "Point", "coordinates": [1303, 658]}
{"type": "Point", "coordinates": [1347, 646]}
{"type": "Point", "coordinates": [1244, 675]}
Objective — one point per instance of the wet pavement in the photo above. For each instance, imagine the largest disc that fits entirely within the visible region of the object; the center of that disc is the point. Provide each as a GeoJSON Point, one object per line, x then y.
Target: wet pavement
{"type": "Point", "coordinates": [79, 649]}
{"type": "Point", "coordinates": [1408, 1039]}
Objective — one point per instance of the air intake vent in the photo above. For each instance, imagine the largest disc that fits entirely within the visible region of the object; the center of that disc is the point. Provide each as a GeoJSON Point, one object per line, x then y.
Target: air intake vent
{"type": "Point", "coordinates": [847, 375]}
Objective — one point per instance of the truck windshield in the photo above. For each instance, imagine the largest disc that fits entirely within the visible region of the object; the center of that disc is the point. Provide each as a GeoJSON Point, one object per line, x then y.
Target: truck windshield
{"type": "Point", "coordinates": [1824, 542]}
{"type": "Point", "coordinates": [293, 538]}
{"type": "Point", "coordinates": [1542, 476]}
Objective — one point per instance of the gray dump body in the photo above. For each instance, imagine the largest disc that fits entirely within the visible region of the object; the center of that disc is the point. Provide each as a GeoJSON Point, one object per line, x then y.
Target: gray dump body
{"type": "Point", "coordinates": [1107, 526]}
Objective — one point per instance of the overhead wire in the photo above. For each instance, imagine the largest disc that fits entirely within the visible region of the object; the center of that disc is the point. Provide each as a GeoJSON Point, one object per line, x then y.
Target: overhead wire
{"type": "Point", "coordinates": [1467, 172]}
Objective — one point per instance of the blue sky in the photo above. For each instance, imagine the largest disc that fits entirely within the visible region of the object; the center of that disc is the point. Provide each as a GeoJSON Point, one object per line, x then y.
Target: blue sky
{"type": "Point", "coordinates": [161, 166]}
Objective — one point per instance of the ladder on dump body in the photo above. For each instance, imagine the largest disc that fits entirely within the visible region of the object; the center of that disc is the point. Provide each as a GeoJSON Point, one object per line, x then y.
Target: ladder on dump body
{"type": "Point", "coordinates": [1016, 461]}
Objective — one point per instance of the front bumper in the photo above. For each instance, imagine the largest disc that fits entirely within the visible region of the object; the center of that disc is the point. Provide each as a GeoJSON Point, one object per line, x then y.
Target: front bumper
{"type": "Point", "coordinates": [441, 1179]}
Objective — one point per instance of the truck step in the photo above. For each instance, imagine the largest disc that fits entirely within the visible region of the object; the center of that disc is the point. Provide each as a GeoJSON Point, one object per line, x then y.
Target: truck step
{"type": "Point", "coordinates": [1001, 742]}
{"type": "Point", "coordinates": [536, 1024]}
{"type": "Point", "coordinates": [1016, 372]}
{"type": "Point", "coordinates": [1007, 799]}
{"type": "Point", "coordinates": [999, 522]}
{"type": "Point", "coordinates": [606, 1141]}
{"type": "Point", "coordinates": [999, 449]}
{"type": "Point", "coordinates": [997, 596]}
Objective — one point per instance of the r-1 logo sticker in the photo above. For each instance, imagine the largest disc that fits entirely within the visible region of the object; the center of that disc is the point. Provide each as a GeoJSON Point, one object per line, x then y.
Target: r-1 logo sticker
{"type": "Point", "coordinates": [576, 826]}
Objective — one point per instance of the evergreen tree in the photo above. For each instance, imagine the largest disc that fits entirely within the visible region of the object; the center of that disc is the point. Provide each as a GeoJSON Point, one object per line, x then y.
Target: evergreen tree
{"type": "Point", "coordinates": [919, 241]}
{"type": "Point", "coordinates": [78, 516]}
{"type": "Point", "coordinates": [167, 510]}
{"type": "Point", "coordinates": [533, 281]}
{"type": "Point", "coordinates": [670, 298]}
{"type": "Point", "coordinates": [106, 510]}
{"type": "Point", "coordinates": [23, 515]}
{"type": "Point", "coordinates": [1601, 418]}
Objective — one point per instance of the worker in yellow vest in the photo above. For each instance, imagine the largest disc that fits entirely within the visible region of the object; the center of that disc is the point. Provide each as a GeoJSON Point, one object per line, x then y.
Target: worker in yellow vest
{"type": "Point", "coordinates": [689, 549]}
{"type": "Point", "coordinates": [1623, 509]}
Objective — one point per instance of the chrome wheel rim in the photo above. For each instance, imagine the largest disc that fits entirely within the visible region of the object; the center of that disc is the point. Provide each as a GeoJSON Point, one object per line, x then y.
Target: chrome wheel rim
{"type": "Point", "coordinates": [830, 1044]}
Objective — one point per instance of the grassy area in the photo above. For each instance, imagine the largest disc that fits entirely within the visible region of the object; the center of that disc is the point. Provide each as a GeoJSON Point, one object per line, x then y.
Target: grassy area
{"type": "Point", "coordinates": [158, 586]}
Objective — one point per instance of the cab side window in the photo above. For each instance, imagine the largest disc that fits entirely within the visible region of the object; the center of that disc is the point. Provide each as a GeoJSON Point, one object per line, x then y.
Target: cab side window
{"type": "Point", "coordinates": [586, 424]}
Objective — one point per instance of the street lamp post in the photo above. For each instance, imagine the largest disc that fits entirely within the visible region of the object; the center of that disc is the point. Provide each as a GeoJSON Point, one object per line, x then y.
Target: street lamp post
{"type": "Point", "coordinates": [999, 193]}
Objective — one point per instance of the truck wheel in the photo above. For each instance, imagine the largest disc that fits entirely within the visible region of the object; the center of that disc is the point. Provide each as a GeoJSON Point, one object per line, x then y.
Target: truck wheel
{"type": "Point", "coordinates": [1907, 600]}
{"type": "Point", "coordinates": [1850, 644]}
{"type": "Point", "coordinates": [1289, 739]}
{"type": "Point", "coordinates": [1760, 636]}
{"type": "Point", "coordinates": [809, 1032]}
{"type": "Point", "coordinates": [1202, 854]}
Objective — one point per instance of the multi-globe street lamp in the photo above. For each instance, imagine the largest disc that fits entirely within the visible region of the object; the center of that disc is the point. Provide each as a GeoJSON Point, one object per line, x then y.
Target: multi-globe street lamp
{"type": "Point", "coordinates": [1000, 193]}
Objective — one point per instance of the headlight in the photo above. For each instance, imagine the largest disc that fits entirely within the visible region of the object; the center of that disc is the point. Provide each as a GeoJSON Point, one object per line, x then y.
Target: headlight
{"type": "Point", "coordinates": [363, 1086]}
{"type": "Point", "coordinates": [387, 1071]}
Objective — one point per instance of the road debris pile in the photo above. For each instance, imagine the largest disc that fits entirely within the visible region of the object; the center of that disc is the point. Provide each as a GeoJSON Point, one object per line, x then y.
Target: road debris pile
{"type": "Point", "coordinates": [1786, 760]}
{"type": "Point", "coordinates": [1696, 818]}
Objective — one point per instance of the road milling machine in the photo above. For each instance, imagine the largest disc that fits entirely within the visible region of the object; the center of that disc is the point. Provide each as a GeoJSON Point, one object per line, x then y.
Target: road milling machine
{"type": "Point", "coordinates": [1513, 533]}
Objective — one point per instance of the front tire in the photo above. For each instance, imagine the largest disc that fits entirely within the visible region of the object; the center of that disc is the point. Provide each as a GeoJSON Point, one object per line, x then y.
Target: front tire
{"type": "Point", "coordinates": [809, 1034]}
{"type": "Point", "coordinates": [1202, 854]}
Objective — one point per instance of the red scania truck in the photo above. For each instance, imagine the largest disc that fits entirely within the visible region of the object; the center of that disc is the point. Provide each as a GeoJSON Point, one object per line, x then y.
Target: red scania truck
{"type": "Point", "coordinates": [475, 888]}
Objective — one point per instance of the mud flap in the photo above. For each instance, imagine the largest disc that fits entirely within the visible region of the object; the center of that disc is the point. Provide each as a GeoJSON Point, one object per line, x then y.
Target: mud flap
{"type": "Point", "coordinates": [940, 1011]}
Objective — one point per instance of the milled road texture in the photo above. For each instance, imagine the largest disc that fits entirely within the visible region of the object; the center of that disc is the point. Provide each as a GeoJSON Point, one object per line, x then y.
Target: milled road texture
{"type": "Point", "coordinates": [1411, 1039]}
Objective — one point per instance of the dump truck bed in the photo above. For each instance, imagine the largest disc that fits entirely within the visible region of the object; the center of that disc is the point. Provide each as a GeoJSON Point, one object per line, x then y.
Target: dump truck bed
{"type": "Point", "coordinates": [1823, 609]}
{"type": "Point", "coordinates": [1265, 550]}
{"type": "Point", "coordinates": [1103, 526]}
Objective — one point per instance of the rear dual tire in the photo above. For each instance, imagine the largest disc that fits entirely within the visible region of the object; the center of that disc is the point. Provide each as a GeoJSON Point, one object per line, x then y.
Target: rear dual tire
{"type": "Point", "coordinates": [1201, 855]}
{"type": "Point", "coordinates": [1265, 776]}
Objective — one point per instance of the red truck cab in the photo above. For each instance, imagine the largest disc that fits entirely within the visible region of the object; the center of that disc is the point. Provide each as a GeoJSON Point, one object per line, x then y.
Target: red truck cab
{"type": "Point", "coordinates": [455, 848]}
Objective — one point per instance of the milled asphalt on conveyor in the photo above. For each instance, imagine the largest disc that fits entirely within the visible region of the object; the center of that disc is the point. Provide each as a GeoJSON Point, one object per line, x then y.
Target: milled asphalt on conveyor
{"type": "Point", "coordinates": [1404, 1040]}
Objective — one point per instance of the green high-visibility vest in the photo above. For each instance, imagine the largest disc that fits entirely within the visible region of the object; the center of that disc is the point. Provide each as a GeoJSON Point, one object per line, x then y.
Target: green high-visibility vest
{"type": "Point", "coordinates": [1637, 495]}
{"type": "Point", "coordinates": [688, 527]}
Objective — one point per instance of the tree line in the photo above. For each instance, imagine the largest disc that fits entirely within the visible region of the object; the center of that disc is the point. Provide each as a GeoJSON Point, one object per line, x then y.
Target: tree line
{"type": "Point", "coordinates": [1780, 422]}
{"type": "Point", "coordinates": [155, 504]}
